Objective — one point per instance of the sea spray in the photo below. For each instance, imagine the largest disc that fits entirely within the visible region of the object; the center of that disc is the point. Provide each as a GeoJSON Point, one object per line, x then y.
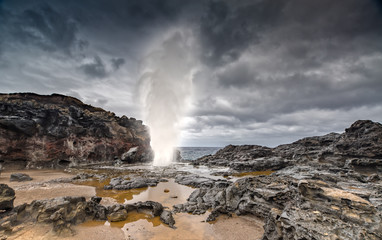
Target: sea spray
{"type": "Point", "coordinates": [165, 90]}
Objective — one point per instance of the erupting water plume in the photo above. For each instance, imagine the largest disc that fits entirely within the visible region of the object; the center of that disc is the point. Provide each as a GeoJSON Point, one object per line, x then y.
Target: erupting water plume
{"type": "Point", "coordinates": [165, 89]}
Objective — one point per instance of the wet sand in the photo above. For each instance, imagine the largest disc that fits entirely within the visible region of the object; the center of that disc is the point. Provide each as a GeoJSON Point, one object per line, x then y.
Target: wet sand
{"type": "Point", "coordinates": [42, 186]}
{"type": "Point", "coordinates": [137, 225]}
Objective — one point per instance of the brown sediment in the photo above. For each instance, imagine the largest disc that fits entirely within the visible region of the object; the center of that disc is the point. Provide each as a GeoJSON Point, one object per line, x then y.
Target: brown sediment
{"type": "Point", "coordinates": [112, 196]}
{"type": "Point", "coordinates": [138, 225]}
{"type": "Point", "coordinates": [143, 194]}
{"type": "Point", "coordinates": [257, 173]}
{"type": "Point", "coordinates": [193, 227]}
{"type": "Point", "coordinates": [41, 187]}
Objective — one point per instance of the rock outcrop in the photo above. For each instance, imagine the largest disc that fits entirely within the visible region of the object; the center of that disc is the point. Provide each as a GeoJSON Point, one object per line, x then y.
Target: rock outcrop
{"type": "Point", "coordinates": [64, 212]}
{"type": "Point", "coordinates": [58, 131]}
{"type": "Point", "coordinates": [359, 146]}
{"type": "Point", "coordinates": [299, 202]}
{"type": "Point", "coordinates": [120, 183]}
{"type": "Point", "coordinates": [7, 196]}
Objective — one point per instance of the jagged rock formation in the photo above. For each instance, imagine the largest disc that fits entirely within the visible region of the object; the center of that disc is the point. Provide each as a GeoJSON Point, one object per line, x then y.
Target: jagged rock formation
{"type": "Point", "coordinates": [299, 202]}
{"type": "Point", "coordinates": [359, 146]}
{"type": "Point", "coordinates": [56, 131]}
{"type": "Point", "coordinates": [64, 212]}
{"type": "Point", "coordinates": [7, 196]}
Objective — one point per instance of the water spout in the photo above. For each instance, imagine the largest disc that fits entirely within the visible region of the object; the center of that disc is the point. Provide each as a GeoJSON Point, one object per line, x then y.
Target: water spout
{"type": "Point", "coordinates": [165, 89]}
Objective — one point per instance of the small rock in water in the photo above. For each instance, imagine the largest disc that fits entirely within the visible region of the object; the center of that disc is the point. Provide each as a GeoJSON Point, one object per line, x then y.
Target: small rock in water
{"type": "Point", "coordinates": [166, 217]}
{"type": "Point", "coordinates": [166, 190]}
{"type": "Point", "coordinates": [118, 216]}
{"type": "Point", "coordinates": [20, 177]}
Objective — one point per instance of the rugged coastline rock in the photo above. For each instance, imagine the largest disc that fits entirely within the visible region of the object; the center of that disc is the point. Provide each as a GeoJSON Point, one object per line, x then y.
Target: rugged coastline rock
{"type": "Point", "coordinates": [313, 203]}
{"type": "Point", "coordinates": [360, 146]}
{"type": "Point", "coordinates": [120, 183]}
{"type": "Point", "coordinates": [64, 212]}
{"type": "Point", "coordinates": [7, 196]}
{"type": "Point", "coordinates": [57, 131]}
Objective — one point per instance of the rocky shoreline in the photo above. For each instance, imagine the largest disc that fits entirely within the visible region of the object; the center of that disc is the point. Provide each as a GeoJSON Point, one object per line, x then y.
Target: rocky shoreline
{"type": "Point", "coordinates": [324, 187]}
{"type": "Point", "coordinates": [57, 131]}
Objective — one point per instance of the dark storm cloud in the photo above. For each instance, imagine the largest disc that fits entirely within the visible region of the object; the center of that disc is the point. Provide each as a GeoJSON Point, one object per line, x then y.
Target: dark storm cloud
{"type": "Point", "coordinates": [96, 68]}
{"type": "Point", "coordinates": [117, 63]}
{"type": "Point", "coordinates": [229, 27]}
{"type": "Point", "coordinates": [42, 26]}
{"type": "Point", "coordinates": [268, 69]}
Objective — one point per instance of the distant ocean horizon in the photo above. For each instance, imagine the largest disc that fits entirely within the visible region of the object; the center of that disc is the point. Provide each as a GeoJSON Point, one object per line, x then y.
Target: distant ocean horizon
{"type": "Point", "coordinates": [193, 153]}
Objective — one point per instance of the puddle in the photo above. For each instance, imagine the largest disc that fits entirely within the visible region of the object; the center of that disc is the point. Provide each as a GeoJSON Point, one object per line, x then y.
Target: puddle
{"type": "Point", "coordinates": [141, 225]}
{"type": "Point", "coordinates": [120, 196]}
{"type": "Point", "coordinates": [167, 193]}
{"type": "Point", "coordinates": [132, 216]}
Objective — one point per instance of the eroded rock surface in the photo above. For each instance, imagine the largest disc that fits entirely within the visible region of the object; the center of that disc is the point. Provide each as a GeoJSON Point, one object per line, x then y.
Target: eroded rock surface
{"type": "Point", "coordinates": [7, 196]}
{"type": "Point", "coordinates": [120, 183]}
{"type": "Point", "coordinates": [58, 131]}
{"type": "Point", "coordinates": [299, 202]}
{"type": "Point", "coordinates": [64, 212]}
{"type": "Point", "coordinates": [359, 146]}
{"type": "Point", "coordinates": [20, 177]}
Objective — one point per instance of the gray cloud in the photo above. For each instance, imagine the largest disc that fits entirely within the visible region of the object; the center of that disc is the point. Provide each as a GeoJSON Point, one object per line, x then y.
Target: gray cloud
{"type": "Point", "coordinates": [270, 71]}
{"type": "Point", "coordinates": [117, 63]}
{"type": "Point", "coordinates": [96, 68]}
{"type": "Point", "coordinates": [45, 27]}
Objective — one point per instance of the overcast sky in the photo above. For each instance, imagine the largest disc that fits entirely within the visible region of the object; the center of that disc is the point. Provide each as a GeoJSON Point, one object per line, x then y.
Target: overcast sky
{"type": "Point", "coordinates": [267, 71]}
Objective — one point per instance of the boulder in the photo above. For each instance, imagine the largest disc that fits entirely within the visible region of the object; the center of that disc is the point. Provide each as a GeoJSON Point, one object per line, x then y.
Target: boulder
{"type": "Point", "coordinates": [20, 177]}
{"type": "Point", "coordinates": [7, 196]}
{"type": "Point", "coordinates": [120, 184]}
{"type": "Point", "coordinates": [167, 218]}
{"type": "Point", "coordinates": [117, 216]}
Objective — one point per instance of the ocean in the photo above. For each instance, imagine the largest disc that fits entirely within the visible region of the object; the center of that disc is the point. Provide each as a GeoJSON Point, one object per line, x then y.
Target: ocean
{"type": "Point", "coordinates": [193, 153]}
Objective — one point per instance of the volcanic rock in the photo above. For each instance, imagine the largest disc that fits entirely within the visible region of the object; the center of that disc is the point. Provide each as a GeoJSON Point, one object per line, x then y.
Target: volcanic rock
{"type": "Point", "coordinates": [56, 131]}
{"type": "Point", "coordinates": [167, 218]}
{"type": "Point", "coordinates": [360, 146]}
{"type": "Point", "coordinates": [64, 212]}
{"type": "Point", "coordinates": [20, 177]}
{"type": "Point", "coordinates": [120, 184]}
{"type": "Point", "coordinates": [117, 216]}
{"type": "Point", "coordinates": [7, 196]}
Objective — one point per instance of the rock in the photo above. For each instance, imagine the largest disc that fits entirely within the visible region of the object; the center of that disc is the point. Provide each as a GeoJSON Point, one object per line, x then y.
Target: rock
{"type": "Point", "coordinates": [360, 146]}
{"type": "Point", "coordinates": [121, 184]}
{"type": "Point", "coordinates": [167, 218]}
{"type": "Point", "coordinates": [193, 180]}
{"type": "Point", "coordinates": [57, 131]}
{"type": "Point", "coordinates": [299, 202]}
{"type": "Point", "coordinates": [166, 190]}
{"type": "Point", "coordinates": [20, 177]}
{"type": "Point", "coordinates": [117, 216]}
{"type": "Point", "coordinates": [7, 196]}
{"type": "Point", "coordinates": [64, 212]}
{"type": "Point", "coordinates": [322, 212]}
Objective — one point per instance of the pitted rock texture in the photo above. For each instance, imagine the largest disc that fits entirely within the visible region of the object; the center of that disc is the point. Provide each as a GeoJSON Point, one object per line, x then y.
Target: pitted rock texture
{"type": "Point", "coordinates": [7, 196]}
{"type": "Point", "coordinates": [300, 202]}
{"type": "Point", "coordinates": [57, 131]}
{"type": "Point", "coordinates": [359, 146]}
{"type": "Point", "coordinates": [64, 212]}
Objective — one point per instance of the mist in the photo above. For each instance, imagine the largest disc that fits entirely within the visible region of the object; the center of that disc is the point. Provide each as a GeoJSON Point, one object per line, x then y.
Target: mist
{"type": "Point", "coordinates": [165, 88]}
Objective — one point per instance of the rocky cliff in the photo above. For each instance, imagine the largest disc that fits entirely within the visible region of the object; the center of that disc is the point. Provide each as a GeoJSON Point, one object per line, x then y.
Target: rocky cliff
{"type": "Point", "coordinates": [360, 146]}
{"type": "Point", "coordinates": [58, 131]}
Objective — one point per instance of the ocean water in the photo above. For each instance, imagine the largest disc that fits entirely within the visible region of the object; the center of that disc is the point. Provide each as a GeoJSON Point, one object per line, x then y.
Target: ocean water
{"type": "Point", "coordinates": [193, 153]}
